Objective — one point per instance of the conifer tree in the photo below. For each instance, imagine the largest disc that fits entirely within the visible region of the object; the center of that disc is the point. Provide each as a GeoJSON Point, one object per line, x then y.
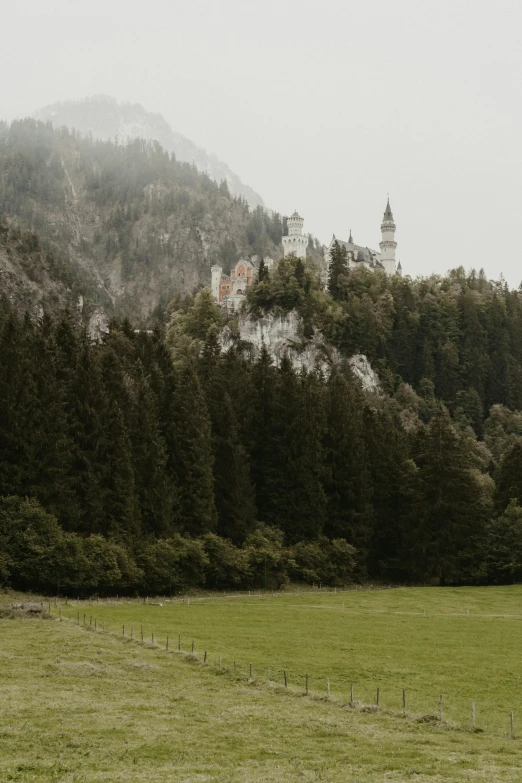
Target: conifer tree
{"type": "Point", "coordinates": [295, 502]}
{"type": "Point", "coordinates": [121, 513]}
{"type": "Point", "coordinates": [347, 479]}
{"type": "Point", "coordinates": [509, 476]}
{"type": "Point", "coordinates": [263, 273]}
{"type": "Point", "coordinates": [79, 375]}
{"type": "Point", "coordinates": [338, 271]}
{"type": "Point", "coordinates": [193, 459]}
{"type": "Point", "coordinates": [234, 492]}
{"type": "Point", "coordinates": [449, 505]}
{"type": "Point", "coordinates": [153, 488]}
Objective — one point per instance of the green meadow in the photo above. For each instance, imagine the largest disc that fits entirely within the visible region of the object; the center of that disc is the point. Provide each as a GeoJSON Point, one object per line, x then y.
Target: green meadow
{"type": "Point", "coordinates": [79, 704]}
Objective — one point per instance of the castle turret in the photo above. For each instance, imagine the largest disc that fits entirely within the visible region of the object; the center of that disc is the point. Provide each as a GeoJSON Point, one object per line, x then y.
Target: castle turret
{"type": "Point", "coordinates": [388, 244]}
{"type": "Point", "coordinates": [295, 243]}
{"type": "Point", "coordinates": [216, 279]}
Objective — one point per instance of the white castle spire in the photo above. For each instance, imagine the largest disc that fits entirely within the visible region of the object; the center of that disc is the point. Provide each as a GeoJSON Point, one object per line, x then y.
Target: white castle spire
{"type": "Point", "coordinates": [388, 244]}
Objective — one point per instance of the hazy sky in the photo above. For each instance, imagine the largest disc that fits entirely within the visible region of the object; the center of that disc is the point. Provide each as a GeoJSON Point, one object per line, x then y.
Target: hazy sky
{"type": "Point", "coordinates": [320, 106]}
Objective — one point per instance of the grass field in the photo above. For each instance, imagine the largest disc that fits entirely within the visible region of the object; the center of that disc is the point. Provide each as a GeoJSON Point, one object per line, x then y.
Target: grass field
{"type": "Point", "coordinates": [82, 706]}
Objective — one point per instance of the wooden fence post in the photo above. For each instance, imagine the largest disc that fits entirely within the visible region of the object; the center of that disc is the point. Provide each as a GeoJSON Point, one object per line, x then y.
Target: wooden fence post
{"type": "Point", "coordinates": [351, 693]}
{"type": "Point", "coordinates": [205, 657]}
{"type": "Point", "coordinates": [179, 642]}
{"type": "Point", "coordinates": [286, 681]}
{"type": "Point", "coordinates": [328, 688]}
{"type": "Point", "coordinates": [167, 643]}
{"type": "Point", "coordinates": [123, 631]}
{"type": "Point", "coordinates": [192, 647]}
{"type": "Point", "coordinates": [377, 697]}
{"type": "Point", "coordinates": [152, 637]}
{"type": "Point", "coordinates": [141, 626]}
{"type": "Point", "coordinates": [403, 699]}
{"type": "Point", "coordinates": [307, 684]}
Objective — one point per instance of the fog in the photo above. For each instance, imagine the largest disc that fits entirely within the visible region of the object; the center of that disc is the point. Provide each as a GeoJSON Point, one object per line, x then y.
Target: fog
{"type": "Point", "coordinates": [324, 107]}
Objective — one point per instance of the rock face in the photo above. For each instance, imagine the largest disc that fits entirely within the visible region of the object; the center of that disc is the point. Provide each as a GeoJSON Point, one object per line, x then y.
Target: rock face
{"type": "Point", "coordinates": [363, 370]}
{"type": "Point", "coordinates": [282, 335]}
{"type": "Point", "coordinates": [106, 119]}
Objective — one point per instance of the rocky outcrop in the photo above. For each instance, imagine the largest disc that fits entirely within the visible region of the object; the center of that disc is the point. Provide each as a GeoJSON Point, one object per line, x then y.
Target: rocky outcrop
{"type": "Point", "coordinates": [282, 335]}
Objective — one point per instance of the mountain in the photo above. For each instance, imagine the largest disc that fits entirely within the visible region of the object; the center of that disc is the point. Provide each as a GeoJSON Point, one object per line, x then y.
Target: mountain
{"type": "Point", "coordinates": [129, 226]}
{"type": "Point", "coordinates": [32, 278]}
{"type": "Point", "coordinates": [106, 119]}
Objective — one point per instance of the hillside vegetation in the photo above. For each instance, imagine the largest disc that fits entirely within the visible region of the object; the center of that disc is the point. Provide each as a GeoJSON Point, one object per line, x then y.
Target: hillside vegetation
{"type": "Point", "coordinates": [177, 465]}
{"type": "Point", "coordinates": [105, 119]}
{"type": "Point", "coordinates": [136, 226]}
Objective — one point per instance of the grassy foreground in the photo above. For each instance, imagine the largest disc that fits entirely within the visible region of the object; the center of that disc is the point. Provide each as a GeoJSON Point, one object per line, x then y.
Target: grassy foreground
{"type": "Point", "coordinates": [82, 706]}
{"type": "Point", "coordinates": [380, 639]}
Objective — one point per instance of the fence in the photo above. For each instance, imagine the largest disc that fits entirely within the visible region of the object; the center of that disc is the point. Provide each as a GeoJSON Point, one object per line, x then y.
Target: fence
{"type": "Point", "coordinates": [281, 679]}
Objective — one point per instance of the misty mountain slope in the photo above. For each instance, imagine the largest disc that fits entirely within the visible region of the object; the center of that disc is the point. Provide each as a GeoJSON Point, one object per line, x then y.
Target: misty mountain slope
{"type": "Point", "coordinates": [33, 278]}
{"type": "Point", "coordinates": [106, 119]}
{"type": "Point", "coordinates": [132, 226]}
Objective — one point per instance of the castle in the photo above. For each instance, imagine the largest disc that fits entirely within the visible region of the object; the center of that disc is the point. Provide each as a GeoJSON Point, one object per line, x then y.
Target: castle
{"type": "Point", "coordinates": [295, 243]}
{"type": "Point", "coordinates": [364, 256]}
{"type": "Point", "coordinates": [231, 289]}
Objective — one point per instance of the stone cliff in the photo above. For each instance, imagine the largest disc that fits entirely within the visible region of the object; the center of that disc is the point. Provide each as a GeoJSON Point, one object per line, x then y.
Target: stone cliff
{"type": "Point", "coordinates": [282, 335]}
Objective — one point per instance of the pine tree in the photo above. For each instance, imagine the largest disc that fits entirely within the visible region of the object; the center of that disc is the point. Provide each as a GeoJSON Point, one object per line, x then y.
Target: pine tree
{"type": "Point", "coordinates": [153, 489]}
{"type": "Point", "coordinates": [338, 271]}
{"type": "Point", "coordinates": [193, 459]}
{"type": "Point", "coordinates": [233, 489]}
{"type": "Point", "coordinates": [347, 479]}
{"type": "Point", "coordinates": [263, 273]}
{"type": "Point", "coordinates": [449, 506]}
{"type": "Point", "coordinates": [295, 499]}
{"type": "Point", "coordinates": [509, 476]}
{"type": "Point", "coordinates": [79, 376]}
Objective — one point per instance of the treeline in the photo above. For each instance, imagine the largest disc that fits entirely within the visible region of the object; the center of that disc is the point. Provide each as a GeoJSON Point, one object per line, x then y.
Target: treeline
{"type": "Point", "coordinates": [457, 338]}
{"type": "Point", "coordinates": [184, 466]}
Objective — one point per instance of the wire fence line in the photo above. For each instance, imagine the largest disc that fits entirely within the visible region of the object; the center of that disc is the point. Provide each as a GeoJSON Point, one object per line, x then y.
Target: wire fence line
{"type": "Point", "coordinates": [287, 680]}
{"type": "Point", "coordinates": [341, 607]}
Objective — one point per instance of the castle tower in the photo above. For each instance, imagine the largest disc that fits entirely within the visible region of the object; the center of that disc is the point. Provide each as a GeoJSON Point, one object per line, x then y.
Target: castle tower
{"type": "Point", "coordinates": [216, 279]}
{"type": "Point", "coordinates": [388, 244]}
{"type": "Point", "coordinates": [295, 243]}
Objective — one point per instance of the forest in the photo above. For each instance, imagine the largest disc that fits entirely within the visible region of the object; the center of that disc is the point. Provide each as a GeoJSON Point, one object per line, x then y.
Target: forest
{"type": "Point", "coordinates": [152, 461]}
{"type": "Point", "coordinates": [124, 226]}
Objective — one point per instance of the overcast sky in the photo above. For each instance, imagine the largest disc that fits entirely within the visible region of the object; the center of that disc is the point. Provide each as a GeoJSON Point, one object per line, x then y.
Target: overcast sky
{"type": "Point", "coordinates": [320, 106]}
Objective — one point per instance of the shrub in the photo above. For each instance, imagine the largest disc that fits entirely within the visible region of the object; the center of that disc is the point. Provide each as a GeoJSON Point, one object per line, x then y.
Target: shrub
{"type": "Point", "coordinates": [227, 565]}
{"type": "Point", "coordinates": [266, 557]}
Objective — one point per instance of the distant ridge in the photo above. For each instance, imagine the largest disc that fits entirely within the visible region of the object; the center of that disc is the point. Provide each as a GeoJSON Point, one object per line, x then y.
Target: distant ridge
{"type": "Point", "coordinates": [108, 119]}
